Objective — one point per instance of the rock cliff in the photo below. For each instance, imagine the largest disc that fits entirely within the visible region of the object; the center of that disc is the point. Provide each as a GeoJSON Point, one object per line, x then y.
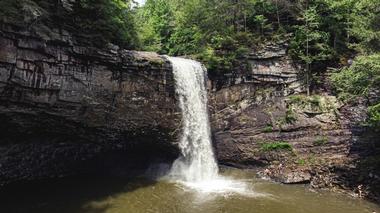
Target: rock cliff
{"type": "Point", "coordinates": [62, 105]}
{"type": "Point", "coordinates": [68, 109]}
{"type": "Point", "coordinates": [261, 119]}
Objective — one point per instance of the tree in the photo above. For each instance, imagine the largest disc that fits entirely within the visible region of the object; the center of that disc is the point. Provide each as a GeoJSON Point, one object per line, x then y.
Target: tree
{"type": "Point", "coordinates": [155, 25]}
{"type": "Point", "coordinates": [336, 21]}
{"type": "Point", "coordinates": [366, 25]}
{"type": "Point", "coordinates": [104, 21]}
{"type": "Point", "coordinates": [362, 79]}
{"type": "Point", "coordinates": [310, 44]}
{"type": "Point", "coordinates": [92, 22]}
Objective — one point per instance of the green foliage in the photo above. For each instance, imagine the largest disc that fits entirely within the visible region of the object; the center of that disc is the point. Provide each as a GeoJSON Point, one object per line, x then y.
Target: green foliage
{"type": "Point", "coordinates": [359, 79]}
{"type": "Point", "coordinates": [321, 140]}
{"type": "Point", "coordinates": [290, 116]}
{"type": "Point", "coordinates": [314, 103]}
{"type": "Point", "coordinates": [366, 25]}
{"type": "Point", "coordinates": [277, 145]}
{"type": "Point", "coordinates": [8, 11]}
{"type": "Point", "coordinates": [262, 23]}
{"type": "Point", "coordinates": [155, 25]}
{"type": "Point", "coordinates": [20, 12]}
{"type": "Point", "coordinates": [301, 162]}
{"type": "Point", "coordinates": [93, 22]}
{"type": "Point", "coordinates": [268, 128]}
{"type": "Point", "coordinates": [297, 99]}
{"type": "Point", "coordinates": [185, 41]}
{"type": "Point", "coordinates": [374, 116]}
{"type": "Point", "coordinates": [220, 33]}
{"type": "Point", "coordinates": [310, 43]}
{"type": "Point", "coordinates": [105, 21]}
{"type": "Point", "coordinates": [309, 161]}
{"type": "Point", "coordinates": [336, 21]}
{"type": "Point", "coordinates": [315, 100]}
{"type": "Point", "coordinates": [216, 32]}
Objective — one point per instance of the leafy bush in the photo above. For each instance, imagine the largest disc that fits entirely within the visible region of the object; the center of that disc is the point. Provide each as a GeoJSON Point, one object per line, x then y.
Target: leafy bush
{"type": "Point", "coordinates": [303, 100]}
{"type": "Point", "coordinates": [313, 103]}
{"type": "Point", "coordinates": [374, 116]}
{"type": "Point", "coordinates": [277, 145]}
{"type": "Point", "coordinates": [290, 116]}
{"type": "Point", "coordinates": [366, 26]}
{"type": "Point", "coordinates": [301, 162]}
{"type": "Point", "coordinates": [359, 79]}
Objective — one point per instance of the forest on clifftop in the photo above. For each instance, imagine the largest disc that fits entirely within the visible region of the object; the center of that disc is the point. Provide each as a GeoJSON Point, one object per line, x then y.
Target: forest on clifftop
{"type": "Point", "coordinates": [342, 34]}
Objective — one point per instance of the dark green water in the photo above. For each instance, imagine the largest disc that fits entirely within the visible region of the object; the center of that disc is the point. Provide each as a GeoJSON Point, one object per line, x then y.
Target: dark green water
{"type": "Point", "coordinates": [118, 195]}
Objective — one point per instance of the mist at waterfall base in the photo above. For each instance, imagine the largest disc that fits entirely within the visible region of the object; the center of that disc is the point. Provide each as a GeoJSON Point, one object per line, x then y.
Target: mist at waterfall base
{"type": "Point", "coordinates": [197, 168]}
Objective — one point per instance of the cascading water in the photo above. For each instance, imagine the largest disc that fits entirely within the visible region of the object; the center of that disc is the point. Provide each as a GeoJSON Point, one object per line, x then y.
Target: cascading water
{"type": "Point", "coordinates": [197, 162]}
{"type": "Point", "coordinates": [197, 167]}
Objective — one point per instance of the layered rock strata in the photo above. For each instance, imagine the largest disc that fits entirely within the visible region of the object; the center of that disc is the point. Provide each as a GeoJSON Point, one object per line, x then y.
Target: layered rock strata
{"type": "Point", "coordinates": [61, 104]}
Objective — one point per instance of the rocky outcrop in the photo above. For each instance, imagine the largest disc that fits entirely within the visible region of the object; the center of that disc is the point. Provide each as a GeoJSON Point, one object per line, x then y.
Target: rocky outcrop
{"type": "Point", "coordinates": [291, 141]}
{"type": "Point", "coordinates": [266, 123]}
{"type": "Point", "coordinates": [271, 64]}
{"type": "Point", "coordinates": [250, 124]}
{"type": "Point", "coordinates": [268, 66]}
{"type": "Point", "coordinates": [62, 104]}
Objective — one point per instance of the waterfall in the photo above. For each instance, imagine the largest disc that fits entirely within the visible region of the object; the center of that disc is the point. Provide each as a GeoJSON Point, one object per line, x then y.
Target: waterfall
{"type": "Point", "coordinates": [197, 162]}
{"type": "Point", "coordinates": [196, 167]}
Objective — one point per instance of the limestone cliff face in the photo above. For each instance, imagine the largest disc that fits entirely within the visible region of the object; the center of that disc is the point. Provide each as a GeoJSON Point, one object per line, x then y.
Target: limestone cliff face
{"type": "Point", "coordinates": [61, 104]}
{"type": "Point", "coordinates": [260, 119]}
{"type": "Point", "coordinates": [269, 66]}
{"type": "Point", "coordinates": [67, 109]}
{"type": "Point", "coordinates": [249, 103]}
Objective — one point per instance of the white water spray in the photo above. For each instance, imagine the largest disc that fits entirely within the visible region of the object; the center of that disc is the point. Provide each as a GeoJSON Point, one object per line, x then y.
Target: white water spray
{"type": "Point", "coordinates": [197, 167]}
{"type": "Point", "coordinates": [197, 162]}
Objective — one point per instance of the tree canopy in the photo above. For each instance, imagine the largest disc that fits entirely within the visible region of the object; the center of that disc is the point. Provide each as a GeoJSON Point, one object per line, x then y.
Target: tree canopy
{"type": "Point", "coordinates": [220, 33]}
{"type": "Point", "coordinates": [93, 22]}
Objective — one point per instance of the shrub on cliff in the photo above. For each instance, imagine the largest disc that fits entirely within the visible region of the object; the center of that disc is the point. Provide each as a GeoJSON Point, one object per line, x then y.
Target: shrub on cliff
{"type": "Point", "coordinates": [362, 79]}
{"type": "Point", "coordinates": [276, 145]}
{"type": "Point", "coordinates": [374, 116]}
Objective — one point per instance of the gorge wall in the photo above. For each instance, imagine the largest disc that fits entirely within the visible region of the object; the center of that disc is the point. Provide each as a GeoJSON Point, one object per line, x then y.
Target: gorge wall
{"type": "Point", "coordinates": [261, 119]}
{"type": "Point", "coordinates": [67, 109]}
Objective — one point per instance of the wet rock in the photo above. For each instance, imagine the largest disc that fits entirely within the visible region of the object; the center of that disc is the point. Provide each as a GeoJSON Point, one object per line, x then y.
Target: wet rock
{"type": "Point", "coordinates": [294, 177]}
